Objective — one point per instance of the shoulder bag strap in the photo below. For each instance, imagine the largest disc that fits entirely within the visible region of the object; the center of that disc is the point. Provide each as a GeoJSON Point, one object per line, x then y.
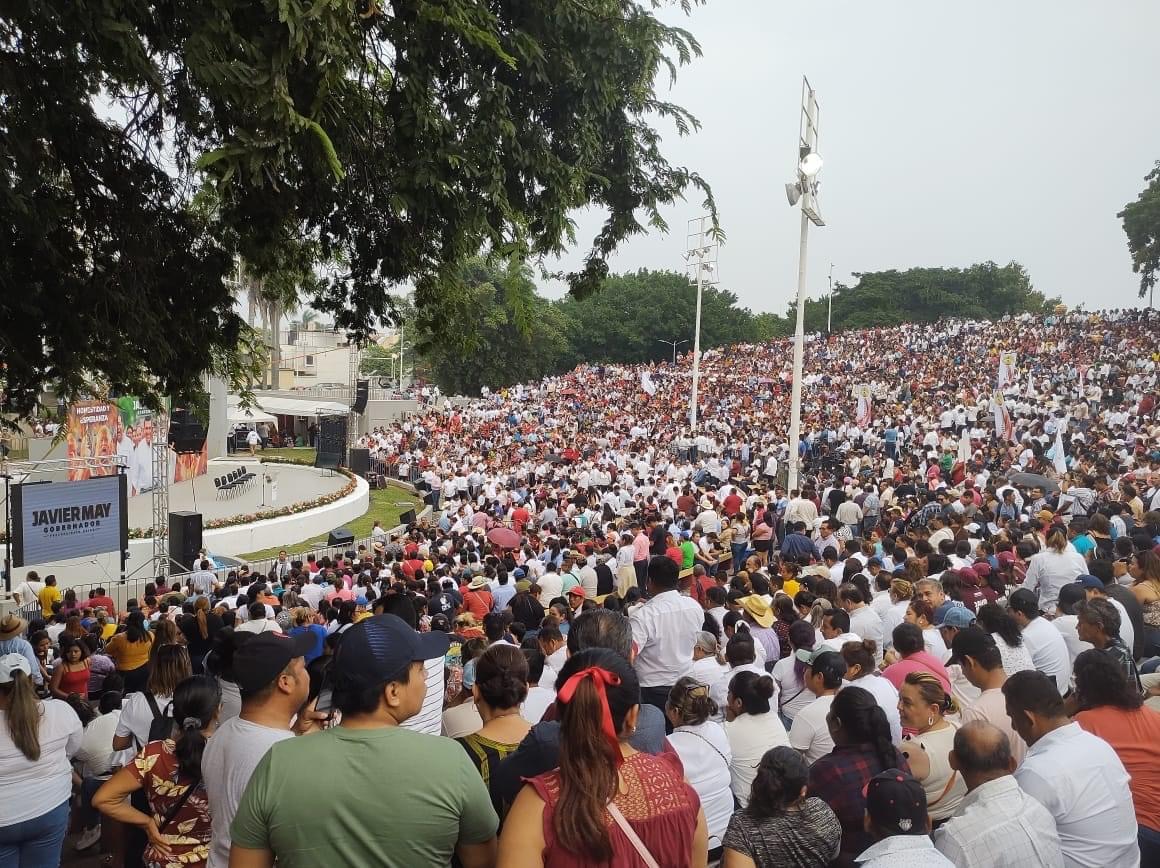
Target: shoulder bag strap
{"type": "Point", "coordinates": [633, 838]}
{"type": "Point", "coordinates": [177, 806]}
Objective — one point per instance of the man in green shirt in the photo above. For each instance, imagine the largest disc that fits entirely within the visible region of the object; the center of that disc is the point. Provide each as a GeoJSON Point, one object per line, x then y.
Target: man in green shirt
{"type": "Point", "coordinates": [369, 792]}
{"type": "Point", "coordinates": [688, 551]}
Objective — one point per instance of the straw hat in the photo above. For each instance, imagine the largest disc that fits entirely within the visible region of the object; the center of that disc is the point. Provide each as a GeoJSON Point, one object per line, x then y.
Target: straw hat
{"type": "Point", "coordinates": [12, 626]}
{"type": "Point", "coordinates": [759, 610]}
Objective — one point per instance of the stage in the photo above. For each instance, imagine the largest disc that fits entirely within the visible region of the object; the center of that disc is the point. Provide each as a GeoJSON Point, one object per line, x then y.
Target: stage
{"type": "Point", "coordinates": [296, 483]}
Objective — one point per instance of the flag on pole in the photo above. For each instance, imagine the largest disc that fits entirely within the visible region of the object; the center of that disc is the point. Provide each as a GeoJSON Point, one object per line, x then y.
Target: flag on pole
{"type": "Point", "coordinates": [1030, 383]}
{"type": "Point", "coordinates": [647, 384]}
{"type": "Point", "coordinates": [1058, 458]}
{"type": "Point", "coordinates": [1006, 370]}
{"type": "Point", "coordinates": [1004, 425]}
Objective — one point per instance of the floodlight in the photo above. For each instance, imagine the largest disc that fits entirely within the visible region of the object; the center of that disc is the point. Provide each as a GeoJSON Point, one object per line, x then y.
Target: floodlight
{"type": "Point", "coordinates": [793, 192]}
{"type": "Point", "coordinates": [810, 165]}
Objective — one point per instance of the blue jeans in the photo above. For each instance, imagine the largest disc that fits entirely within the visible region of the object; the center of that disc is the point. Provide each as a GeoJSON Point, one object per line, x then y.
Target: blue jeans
{"type": "Point", "coordinates": [1149, 840]}
{"type": "Point", "coordinates": [740, 550]}
{"type": "Point", "coordinates": [35, 843]}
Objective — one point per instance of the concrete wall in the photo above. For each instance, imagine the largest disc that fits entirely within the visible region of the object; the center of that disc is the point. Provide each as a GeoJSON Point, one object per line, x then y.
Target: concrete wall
{"type": "Point", "coordinates": [383, 412]}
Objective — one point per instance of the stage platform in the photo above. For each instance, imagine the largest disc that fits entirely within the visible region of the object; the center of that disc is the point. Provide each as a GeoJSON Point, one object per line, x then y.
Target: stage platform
{"type": "Point", "coordinates": [295, 483]}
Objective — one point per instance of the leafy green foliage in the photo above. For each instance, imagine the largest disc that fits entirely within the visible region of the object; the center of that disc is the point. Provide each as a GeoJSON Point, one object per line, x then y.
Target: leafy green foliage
{"type": "Point", "coordinates": [885, 298]}
{"type": "Point", "coordinates": [628, 320]}
{"type": "Point", "coordinates": [1142, 226]}
{"type": "Point", "coordinates": [390, 143]}
{"type": "Point", "coordinates": [497, 333]}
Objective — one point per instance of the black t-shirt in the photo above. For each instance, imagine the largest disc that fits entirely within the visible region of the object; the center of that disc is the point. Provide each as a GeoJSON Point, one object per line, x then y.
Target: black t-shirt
{"type": "Point", "coordinates": [657, 541]}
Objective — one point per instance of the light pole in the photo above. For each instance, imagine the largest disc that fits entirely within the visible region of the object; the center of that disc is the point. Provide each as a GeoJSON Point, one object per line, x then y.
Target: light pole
{"type": "Point", "coordinates": [674, 345]}
{"type": "Point", "coordinates": [805, 191]}
{"type": "Point", "coordinates": [830, 299]}
{"type": "Point", "coordinates": [701, 255]}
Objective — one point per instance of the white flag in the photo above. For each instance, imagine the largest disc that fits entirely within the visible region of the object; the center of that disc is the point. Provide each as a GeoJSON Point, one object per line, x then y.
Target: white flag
{"type": "Point", "coordinates": [1030, 384]}
{"type": "Point", "coordinates": [1006, 370]}
{"type": "Point", "coordinates": [647, 384]}
{"type": "Point", "coordinates": [1058, 459]}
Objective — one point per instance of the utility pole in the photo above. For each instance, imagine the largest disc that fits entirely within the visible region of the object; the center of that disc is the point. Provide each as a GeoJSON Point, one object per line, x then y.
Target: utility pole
{"type": "Point", "coordinates": [830, 299]}
{"type": "Point", "coordinates": [700, 254]}
{"type": "Point", "coordinates": [805, 191]}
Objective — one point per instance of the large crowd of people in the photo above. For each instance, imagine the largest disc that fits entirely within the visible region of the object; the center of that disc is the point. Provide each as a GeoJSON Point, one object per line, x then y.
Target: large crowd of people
{"type": "Point", "coordinates": [941, 646]}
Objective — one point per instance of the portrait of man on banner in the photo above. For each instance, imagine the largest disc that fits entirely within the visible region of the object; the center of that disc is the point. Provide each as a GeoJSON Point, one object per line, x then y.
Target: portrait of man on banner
{"type": "Point", "coordinates": [1007, 375]}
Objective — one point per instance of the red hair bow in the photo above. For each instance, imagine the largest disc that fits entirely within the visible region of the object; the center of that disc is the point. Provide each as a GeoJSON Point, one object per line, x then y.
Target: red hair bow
{"type": "Point", "coordinates": [601, 680]}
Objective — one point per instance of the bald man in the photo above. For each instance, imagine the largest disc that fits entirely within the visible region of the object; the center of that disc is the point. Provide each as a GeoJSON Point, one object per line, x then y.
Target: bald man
{"type": "Point", "coordinates": [997, 825]}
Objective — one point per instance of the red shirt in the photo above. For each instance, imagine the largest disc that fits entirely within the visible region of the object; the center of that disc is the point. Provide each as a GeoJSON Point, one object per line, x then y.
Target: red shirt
{"type": "Point", "coordinates": [919, 661]}
{"type": "Point", "coordinates": [1135, 737]}
{"type": "Point", "coordinates": [674, 554]}
{"type": "Point", "coordinates": [732, 504]}
{"type": "Point", "coordinates": [478, 602]}
{"type": "Point", "coordinates": [106, 602]}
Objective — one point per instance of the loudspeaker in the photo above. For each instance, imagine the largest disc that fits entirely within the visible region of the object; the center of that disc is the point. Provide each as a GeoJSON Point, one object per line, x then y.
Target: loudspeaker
{"type": "Point", "coordinates": [407, 517]}
{"type": "Point", "coordinates": [331, 442]}
{"type": "Point", "coordinates": [361, 391]}
{"type": "Point", "coordinates": [340, 536]}
{"type": "Point", "coordinates": [186, 433]}
{"type": "Point", "coordinates": [185, 538]}
{"type": "Point", "coordinates": [360, 461]}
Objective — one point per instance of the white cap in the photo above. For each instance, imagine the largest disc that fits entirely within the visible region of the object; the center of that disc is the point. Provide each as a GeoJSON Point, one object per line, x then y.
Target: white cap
{"type": "Point", "coordinates": [10, 664]}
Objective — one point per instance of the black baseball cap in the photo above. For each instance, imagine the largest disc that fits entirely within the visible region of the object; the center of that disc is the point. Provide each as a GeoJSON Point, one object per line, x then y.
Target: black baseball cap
{"type": "Point", "coordinates": [896, 803]}
{"type": "Point", "coordinates": [379, 649]}
{"type": "Point", "coordinates": [971, 642]}
{"type": "Point", "coordinates": [258, 660]}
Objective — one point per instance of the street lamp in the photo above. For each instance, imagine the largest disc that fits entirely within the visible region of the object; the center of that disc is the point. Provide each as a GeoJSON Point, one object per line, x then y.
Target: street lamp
{"type": "Point", "coordinates": [701, 256]}
{"type": "Point", "coordinates": [674, 345]}
{"type": "Point", "coordinates": [804, 193]}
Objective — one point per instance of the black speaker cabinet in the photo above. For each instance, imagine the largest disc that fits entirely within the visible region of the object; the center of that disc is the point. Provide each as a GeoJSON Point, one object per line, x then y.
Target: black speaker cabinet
{"type": "Point", "coordinates": [184, 539]}
{"type": "Point", "coordinates": [407, 517]}
{"type": "Point", "coordinates": [331, 442]}
{"type": "Point", "coordinates": [340, 536]}
{"type": "Point", "coordinates": [186, 433]}
{"type": "Point", "coordinates": [361, 391]}
{"type": "Point", "coordinates": [360, 461]}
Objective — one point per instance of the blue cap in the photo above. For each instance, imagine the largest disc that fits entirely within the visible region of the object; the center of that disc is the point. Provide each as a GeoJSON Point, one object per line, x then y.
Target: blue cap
{"type": "Point", "coordinates": [955, 616]}
{"type": "Point", "coordinates": [1090, 581]}
{"type": "Point", "coordinates": [379, 649]}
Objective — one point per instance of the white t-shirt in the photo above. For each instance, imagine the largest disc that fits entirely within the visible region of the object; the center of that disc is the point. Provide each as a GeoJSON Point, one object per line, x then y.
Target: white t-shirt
{"type": "Point", "coordinates": [137, 717]}
{"type": "Point", "coordinates": [96, 755]}
{"type": "Point", "coordinates": [705, 754]}
{"type": "Point", "coordinates": [793, 695]}
{"type": "Point", "coordinates": [809, 734]}
{"type": "Point", "coordinates": [32, 788]}
{"type": "Point", "coordinates": [1048, 652]}
{"type": "Point", "coordinates": [429, 717]}
{"type": "Point", "coordinates": [750, 736]}
{"type": "Point", "coordinates": [536, 703]}
{"type": "Point", "coordinates": [226, 767]}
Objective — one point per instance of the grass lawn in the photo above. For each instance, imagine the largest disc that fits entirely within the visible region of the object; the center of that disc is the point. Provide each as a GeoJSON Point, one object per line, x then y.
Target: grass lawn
{"type": "Point", "coordinates": [304, 454]}
{"type": "Point", "coordinates": [382, 508]}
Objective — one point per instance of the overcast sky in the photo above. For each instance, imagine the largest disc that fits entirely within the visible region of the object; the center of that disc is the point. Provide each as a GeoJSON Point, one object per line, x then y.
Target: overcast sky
{"type": "Point", "coordinates": [951, 134]}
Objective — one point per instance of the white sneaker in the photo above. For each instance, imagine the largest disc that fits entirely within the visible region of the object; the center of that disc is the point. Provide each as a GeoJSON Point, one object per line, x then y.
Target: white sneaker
{"type": "Point", "coordinates": [89, 837]}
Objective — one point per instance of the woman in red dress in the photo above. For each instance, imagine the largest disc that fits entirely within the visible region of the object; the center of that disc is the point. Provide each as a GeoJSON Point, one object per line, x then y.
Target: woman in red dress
{"type": "Point", "coordinates": [606, 806]}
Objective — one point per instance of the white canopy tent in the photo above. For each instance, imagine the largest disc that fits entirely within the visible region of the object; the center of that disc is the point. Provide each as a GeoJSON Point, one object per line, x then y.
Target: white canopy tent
{"type": "Point", "coordinates": [265, 405]}
{"type": "Point", "coordinates": [239, 416]}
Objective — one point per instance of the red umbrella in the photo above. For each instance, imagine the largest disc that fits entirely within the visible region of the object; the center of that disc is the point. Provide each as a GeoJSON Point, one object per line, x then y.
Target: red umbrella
{"type": "Point", "coordinates": [504, 537]}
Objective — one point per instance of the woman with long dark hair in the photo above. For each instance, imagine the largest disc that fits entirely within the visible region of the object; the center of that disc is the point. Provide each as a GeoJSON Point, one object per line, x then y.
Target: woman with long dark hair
{"type": "Point", "coordinates": [170, 668]}
{"type": "Point", "coordinates": [1008, 637]}
{"type": "Point", "coordinates": [862, 749]}
{"type": "Point", "coordinates": [37, 740]}
{"type": "Point", "coordinates": [1113, 709]}
{"type": "Point", "coordinates": [781, 827]}
{"type": "Point", "coordinates": [199, 632]}
{"type": "Point", "coordinates": [130, 652]}
{"type": "Point", "coordinates": [606, 804]}
{"type": "Point", "coordinates": [169, 772]}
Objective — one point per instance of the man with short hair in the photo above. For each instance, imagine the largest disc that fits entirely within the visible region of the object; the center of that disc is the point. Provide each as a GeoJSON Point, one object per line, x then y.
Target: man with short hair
{"type": "Point", "coordinates": [203, 581]}
{"type": "Point", "coordinates": [976, 653]}
{"type": "Point", "coordinates": [1095, 588]}
{"type": "Point", "coordinates": [270, 671]}
{"type": "Point", "coordinates": [1045, 644]}
{"type": "Point", "coordinates": [1077, 776]}
{"type": "Point", "coordinates": [665, 630]}
{"type": "Point", "coordinates": [997, 825]}
{"type": "Point", "coordinates": [292, 813]}
{"type": "Point", "coordinates": [810, 733]}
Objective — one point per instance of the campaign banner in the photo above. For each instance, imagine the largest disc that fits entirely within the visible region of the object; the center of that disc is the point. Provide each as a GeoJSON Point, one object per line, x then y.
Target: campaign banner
{"type": "Point", "coordinates": [92, 430]}
{"type": "Point", "coordinates": [58, 521]}
{"type": "Point", "coordinates": [1004, 424]}
{"type": "Point", "coordinates": [125, 427]}
{"type": "Point", "coordinates": [1006, 370]}
{"type": "Point", "coordinates": [864, 414]}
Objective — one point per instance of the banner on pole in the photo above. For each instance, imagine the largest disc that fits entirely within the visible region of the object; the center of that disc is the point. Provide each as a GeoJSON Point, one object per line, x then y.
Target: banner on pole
{"type": "Point", "coordinates": [1007, 361]}
{"type": "Point", "coordinates": [864, 414]}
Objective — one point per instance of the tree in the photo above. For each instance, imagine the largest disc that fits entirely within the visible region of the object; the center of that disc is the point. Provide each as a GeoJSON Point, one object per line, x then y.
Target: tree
{"type": "Point", "coordinates": [887, 298]}
{"type": "Point", "coordinates": [1142, 226]}
{"type": "Point", "coordinates": [633, 313]}
{"type": "Point", "coordinates": [377, 361]}
{"type": "Point", "coordinates": [396, 140]}
{"type": "Point", "coordinates": [499, 332]}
